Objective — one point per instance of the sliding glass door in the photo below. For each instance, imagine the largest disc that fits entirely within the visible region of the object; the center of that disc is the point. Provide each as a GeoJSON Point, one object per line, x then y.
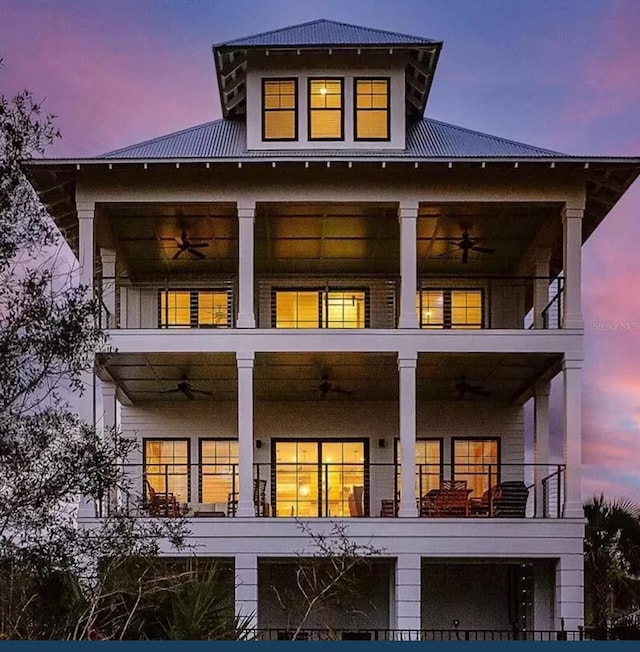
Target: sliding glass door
{"type": "Point", "coordinates": [312, 478]}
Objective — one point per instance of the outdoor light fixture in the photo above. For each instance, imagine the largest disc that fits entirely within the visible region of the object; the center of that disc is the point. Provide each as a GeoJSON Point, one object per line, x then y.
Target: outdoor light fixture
{"type": "Point", "coordinates": [381, 443]}
{"type": "Point", "coordinates": [258, 443]}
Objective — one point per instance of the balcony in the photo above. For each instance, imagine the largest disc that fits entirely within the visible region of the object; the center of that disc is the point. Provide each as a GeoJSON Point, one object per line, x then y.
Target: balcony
{"type": "Point", "coordinates": [443, 303]}
{"type": "Point", "coordinates": [310, 490]}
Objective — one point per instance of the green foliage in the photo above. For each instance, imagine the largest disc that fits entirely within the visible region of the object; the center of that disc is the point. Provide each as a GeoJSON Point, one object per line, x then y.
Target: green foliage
{"type": "Point", "coordinates": [612, 559]}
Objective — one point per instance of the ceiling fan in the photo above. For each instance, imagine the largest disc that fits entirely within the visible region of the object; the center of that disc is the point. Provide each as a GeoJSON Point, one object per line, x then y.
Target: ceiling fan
{"type": "Point", "coordinates": [184, 244]}
{"type": "Point", "coordinates": [467, 244]}
{"type": "Point", "coordinates": [463, 387]}
{"type": "Point", "coordinates": [184, 387]}
{"type": "Point", "coordinates": [326, 386]}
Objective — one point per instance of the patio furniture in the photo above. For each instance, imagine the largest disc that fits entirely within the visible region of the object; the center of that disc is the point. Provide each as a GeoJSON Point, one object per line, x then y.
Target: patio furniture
{"type": "Point", "coordinates": [160, 503]}
{"type": "Point", "coordinates": [389, 508]}
{"type": "Point", "coordinates": [356, 506]}
{"type": "Point", "coordinates": [452, 499]}
{"type": "Point", "coordinates": [510, 499]}
{"type": "Point", "coordinates": [259, 499]}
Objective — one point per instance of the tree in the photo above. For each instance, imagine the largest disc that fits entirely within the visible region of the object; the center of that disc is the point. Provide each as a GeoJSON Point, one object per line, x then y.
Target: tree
{"type": "Point", "coordinates": [48, 338]}
{"type": "Point", "coordinates": [612, 558]}
{"type": "Point", "coordinates": [327, 575]}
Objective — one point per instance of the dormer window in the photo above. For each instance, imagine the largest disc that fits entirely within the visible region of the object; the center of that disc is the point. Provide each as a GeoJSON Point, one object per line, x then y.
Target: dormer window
{"type": "Point", "coordinates": [279, 109]}
{"type": "Point", "coordinates": [326, 109]}
{"type": "Point", "coordinates": [372, 109]}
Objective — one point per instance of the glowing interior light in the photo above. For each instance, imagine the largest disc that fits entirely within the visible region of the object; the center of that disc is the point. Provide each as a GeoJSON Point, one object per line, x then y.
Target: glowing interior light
{"type": "Point", "coordinates": [305, 490]}
{"type": "Point", "coordinates": [323, 91]}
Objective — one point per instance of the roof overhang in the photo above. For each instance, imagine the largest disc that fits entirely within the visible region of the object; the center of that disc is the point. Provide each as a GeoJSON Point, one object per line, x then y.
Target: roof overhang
{"type": "Point", "coordinates": [607, 178]}
{"type": "Point", "coordinates": [231, 70]}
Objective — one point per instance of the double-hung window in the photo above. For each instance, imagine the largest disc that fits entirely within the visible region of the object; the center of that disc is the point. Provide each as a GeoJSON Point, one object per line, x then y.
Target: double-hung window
{"type": "Point", "coordinates": [166, 468]}
{"type": "Point", "coordinates": [326, 107]}
{"type": "Point", "coordinates": [218, 470]}
{"type": "Point", "coordinates": [339, 308]}
{"type": "Point", "coordinates": [372, 101]}
{"type": "Point", "coordinates": [280, 109]}
{"type": "Point", "coordinates": [194, 309]}
{"type": "Point", "coordinates": [448, 308]}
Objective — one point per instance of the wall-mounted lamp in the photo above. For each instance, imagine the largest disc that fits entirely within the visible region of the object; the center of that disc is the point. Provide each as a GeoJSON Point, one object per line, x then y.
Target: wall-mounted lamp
{"type": "Point", "coordinates": [258, 443]}
{"type": "Point", "coordinates": [382, 443]}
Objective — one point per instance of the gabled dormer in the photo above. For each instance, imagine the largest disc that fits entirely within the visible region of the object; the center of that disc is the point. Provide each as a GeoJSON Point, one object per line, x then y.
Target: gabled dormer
{"type": "Point", "coordinates": [326, 85]}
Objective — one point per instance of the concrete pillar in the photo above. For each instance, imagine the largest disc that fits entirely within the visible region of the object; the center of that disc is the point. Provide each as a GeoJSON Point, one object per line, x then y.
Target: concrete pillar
{"type": "Point", "coordinates": [572, 265]}
{"type": "Point", "coordinates": [408, 216]}
{"type": "Point", "coordinates": [572, 373]}
{"type": "Point", "coordinates": [569, 593]}
{"type": "Point", "coordinates": [541, 448]}
{"type": "Point", "coordinates": [541, 286]}
{"type": "Point", "coordinates": [246, 589]}
{"type": "Point", "coordinates": [408, 596]}
{"type": "Point", "coordinates": [407, 402]}
{"type": "Point", "coordinates": [246, 220]}
{"type": "Point", "coordinates": [246, 506]}
{"type": "Point", "coordinates": [108, 290]}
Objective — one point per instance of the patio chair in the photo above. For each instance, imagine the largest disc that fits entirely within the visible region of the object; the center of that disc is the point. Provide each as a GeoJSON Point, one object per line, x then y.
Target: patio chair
{"type": "Point", "coordinates": [259, 499]}
{"type": "Point", "coordinates": [161, 503]}
{"type": "Point", "coordinates": [510, 499]}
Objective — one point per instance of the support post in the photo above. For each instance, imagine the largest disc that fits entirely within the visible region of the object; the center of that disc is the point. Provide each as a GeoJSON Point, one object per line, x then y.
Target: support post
{"type": "Point", "coordinates": [540, 286]}
{"type": "Point", "coordinates": [245, 506]}
{"type": "Point", "coordinates": [572, 265]}
{"type": "Point", "coordinates": [572, 373]}
{"type": "Point", "coordinates": [408, 217]}
{"type": "Point", "coordinates": [407, 403]}
{"type": "Point", "coordinates": [246, 220]}
{"type": "Point", "coordinates": [569, 593]}
{"type": "Point", "coordinates": [408, 596]}
{"type": "Point", "coordinates": [108, 290]}
{"type": "Point", "coordinates": [541, 451]}
{"type": "Point", "coordinates": [246, 589]}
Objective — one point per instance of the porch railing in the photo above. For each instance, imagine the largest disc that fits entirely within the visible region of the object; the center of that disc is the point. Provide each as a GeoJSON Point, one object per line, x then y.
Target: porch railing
{"type": "Point", "coordinates": [338, 490]}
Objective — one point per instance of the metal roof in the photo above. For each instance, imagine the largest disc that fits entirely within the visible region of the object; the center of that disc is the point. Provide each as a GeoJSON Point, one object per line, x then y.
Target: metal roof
{"type": "Point", "coordinates": [325, 32]}
{"type": "Point", "coordinates": [427, 138]}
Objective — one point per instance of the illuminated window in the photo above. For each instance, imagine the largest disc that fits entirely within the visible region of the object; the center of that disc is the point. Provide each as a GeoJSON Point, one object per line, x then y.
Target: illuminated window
{"type": "Point", "coordinates": [428, 465]}
{"type": "Point", "coordinates": [218, 470]}
{"type": "Point", "coordinates": [458, 309]}
{"type": "Point", "coordinates": [476, 461]}
{"type": "Point", "coordinates": [372, 109]}
{"type": "Point", "coordinates": [279, 109]}
{"type": "Point", "coordinates": [320, 478]}
{"type": "Point", "coordinates": [319, 309]}
{"type": "Point", "coordinates": [194, 309]}
{"type": "Point", "coordinates": [166, 467]}
{"type": "Point", "coordinates": [325, 109]}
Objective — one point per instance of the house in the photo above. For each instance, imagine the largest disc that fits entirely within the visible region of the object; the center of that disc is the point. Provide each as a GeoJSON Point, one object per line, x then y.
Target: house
{"type": "Point", "coordinates": [328, 307]}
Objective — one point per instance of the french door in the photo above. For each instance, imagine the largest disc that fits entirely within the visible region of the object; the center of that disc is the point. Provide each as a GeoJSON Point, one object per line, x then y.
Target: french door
{"type": "Point", "coordinates": [314, 478]}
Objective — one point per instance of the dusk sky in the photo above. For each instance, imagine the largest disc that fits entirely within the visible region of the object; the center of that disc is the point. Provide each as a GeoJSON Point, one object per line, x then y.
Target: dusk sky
{"type": "Point", "coordinates": [559, 74]}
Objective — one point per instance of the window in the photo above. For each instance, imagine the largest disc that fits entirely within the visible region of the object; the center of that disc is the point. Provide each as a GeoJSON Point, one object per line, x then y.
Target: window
{"type": "Point", "coordinates": [428, 465]}
{"type": "Point", "coordinates": [194, 309]}
{"type": "Point", "coordinates": [320, 478]}
{"type": "Point", "coordinates": [325, 109]}
{"type": "Point", "coordinates": [458, 309]}
{"type": "Point", "coordinates": [372, 109]}
{"type": "Point", "coordinates": [218, 470]}
{"type": "Point", "coordinates": [279, 109]}
{"type": "Point", "coordinates": [320, 309]}
{"type": "Point", "coordinates": [166, 467]}
{"type": "Point", "coordinates": [476, 461]}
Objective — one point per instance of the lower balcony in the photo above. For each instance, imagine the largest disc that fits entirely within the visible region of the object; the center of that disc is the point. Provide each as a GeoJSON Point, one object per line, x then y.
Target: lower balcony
{"type": "Point", "coordinates": [326, 489]}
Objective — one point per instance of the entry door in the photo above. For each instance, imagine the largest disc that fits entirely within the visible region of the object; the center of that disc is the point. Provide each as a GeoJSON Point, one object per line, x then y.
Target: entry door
{"type": "Point", "coordinates": [320, 478]}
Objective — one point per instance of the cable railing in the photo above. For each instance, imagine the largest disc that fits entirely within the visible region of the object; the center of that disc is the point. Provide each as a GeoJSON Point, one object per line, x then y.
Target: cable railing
{"type": "Point", "coordinates": [295, 489]}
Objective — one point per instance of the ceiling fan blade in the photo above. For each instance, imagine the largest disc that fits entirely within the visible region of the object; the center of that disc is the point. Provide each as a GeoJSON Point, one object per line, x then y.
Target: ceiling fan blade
{"type": "Point", "coordinates": [479, 391]}
{"type": "Point", "coordinates": [189, 394]}
{"type": "Point", "coordinates": [196, 253]}
{"type": "Point", "coordinates": [169, 391]}
{"type": "Point", "coordinates": [484, 250]}
{"type": "Point", "coordinates": [341, 391]}
{"type": "Point", "coordinates": [453, 242]}
{"type": "Point", "coordinates": [465, 256]}
{"type": "Point", "coordinates": [176, 255]}
{"type": "Point", "coordinates": [202, 391]}
{"type": "Point", "coordinates": [198, 245]}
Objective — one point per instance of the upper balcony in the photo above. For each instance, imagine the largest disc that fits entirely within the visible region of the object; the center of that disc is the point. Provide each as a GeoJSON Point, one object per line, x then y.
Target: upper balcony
{"type": "Point", "coordinates": [330, 266]}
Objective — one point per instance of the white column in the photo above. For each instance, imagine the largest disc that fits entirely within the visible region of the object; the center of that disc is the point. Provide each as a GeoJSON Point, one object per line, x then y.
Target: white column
{"type": "Point", "coordinates": [408, 216]}
{"type": "Point", "coordinates": [407, 401]}
{"type": "Point", "coordinates": [86, 245]}
{"type": "Point", "coordinates": [408, 596]}
{"type": "Point", "coordinates": [541, 440]}
{"type": "Point", "coordinates": [108, 293]}
{"type": "Point", "coordinates": [246, 591]}
{"type": "Point", "coordinates": [246, 219]}
{"type": "Point", "coordinates": [245, 434]}
{"type": "Point", "coordinates": [572, 265]}
{"type": "Point", "coordinates": [540, 286]}
{"type": "Point", "coordinates": [572, 372]}
{"type": "Point", "coordinates": [569, 593]}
